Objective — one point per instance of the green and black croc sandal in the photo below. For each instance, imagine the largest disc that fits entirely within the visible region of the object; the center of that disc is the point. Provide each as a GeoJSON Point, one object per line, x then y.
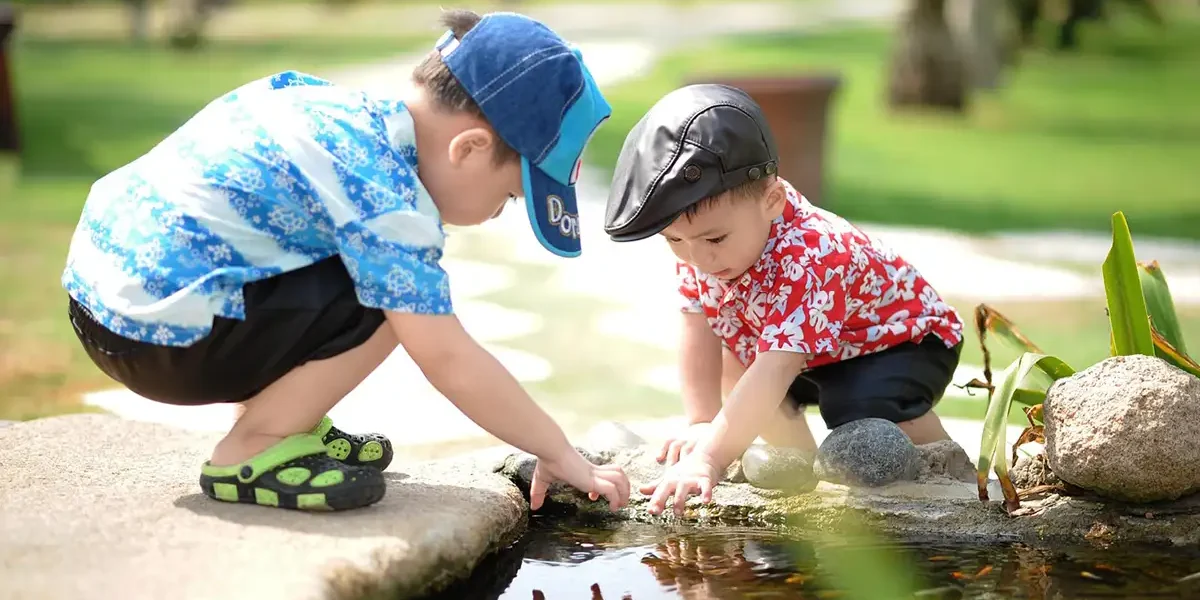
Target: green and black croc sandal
{"type": "Point", "coordinates": [366, 450]}
{"type": "Point", "coordinates": [296, 473]}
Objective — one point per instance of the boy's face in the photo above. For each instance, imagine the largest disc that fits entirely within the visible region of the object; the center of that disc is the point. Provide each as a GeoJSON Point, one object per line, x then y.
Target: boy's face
{"type": "Point", "coordinates": [467, 183]}
{"type": "Point", "coordinates": [727, 235]}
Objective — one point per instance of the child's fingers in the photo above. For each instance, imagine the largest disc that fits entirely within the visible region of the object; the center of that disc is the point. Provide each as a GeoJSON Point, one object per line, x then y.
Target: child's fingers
{"type": "Point", "coordinates": [666, 447]}
{"type": "Point", "coordinates": [537, 490]}
{"type": "Point", "coordinates": [616, 475]}
{"type": "Point", "coordinates": [649, 488]}
{"type": "Point", "coordinates": [673, 455]}
{"type": "Point", "coordinates": [658, 501]}
{"type": "Point", "coordinates": [682, 492]}
{"type": "Point", "coordinates": [609, 490]}
{"type": "Point", "coordinates": [706, 488]}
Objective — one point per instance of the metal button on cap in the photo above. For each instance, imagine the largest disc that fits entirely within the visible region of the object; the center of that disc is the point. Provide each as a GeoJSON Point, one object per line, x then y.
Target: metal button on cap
{"type": "Point", "coordinates": [754, 173]}
{"type": "Point", "coordinates": [691, 173]}
{"type": "Point", "coordinates": [771, 168]}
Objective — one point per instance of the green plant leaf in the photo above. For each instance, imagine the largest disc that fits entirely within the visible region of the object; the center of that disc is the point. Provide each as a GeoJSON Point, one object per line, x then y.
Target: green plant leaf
{"type": "Point", "coordinates": [1127, 314]}
{"type": "Point", "coordinates": [1000, 326]}
{"type": "Point", "coordinates": [1012, 385]}
{"type": "Point", "coordinates": [1167, 352]}
{"type": "Point", "coordinates": [1030, 397]}
{"type": "Point", "coordinates": [1160, 305]}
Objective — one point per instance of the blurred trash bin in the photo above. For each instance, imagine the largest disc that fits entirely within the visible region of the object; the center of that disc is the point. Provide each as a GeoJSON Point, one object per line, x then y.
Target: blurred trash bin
{"type": "Point", "coordinates": [797, 109]}
{"type": "Point", "coordinates": [9, 140]}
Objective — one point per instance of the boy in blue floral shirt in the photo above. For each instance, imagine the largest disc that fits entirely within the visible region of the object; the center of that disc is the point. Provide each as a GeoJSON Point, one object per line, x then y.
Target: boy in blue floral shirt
{"type": "Point", "coordinates": [279, 245]}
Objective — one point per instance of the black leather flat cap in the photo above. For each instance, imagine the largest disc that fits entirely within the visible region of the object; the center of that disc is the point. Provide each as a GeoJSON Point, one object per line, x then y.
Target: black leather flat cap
{"type": "Point", "coordinates": [694, 143]}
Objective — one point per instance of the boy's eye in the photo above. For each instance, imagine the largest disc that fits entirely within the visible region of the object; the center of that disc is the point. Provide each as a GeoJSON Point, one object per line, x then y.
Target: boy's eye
{"type": "Point", "coordinates": [716, 240]}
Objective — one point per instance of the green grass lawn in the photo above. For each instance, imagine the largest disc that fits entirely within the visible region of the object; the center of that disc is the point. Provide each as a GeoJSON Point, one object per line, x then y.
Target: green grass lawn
{"type": "Point", "coordinates": [86, 108]}
{"type": "Point", "coordinates": [1070, 139]}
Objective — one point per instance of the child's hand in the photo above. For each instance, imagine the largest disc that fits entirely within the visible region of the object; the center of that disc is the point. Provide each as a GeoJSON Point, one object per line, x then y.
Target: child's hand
{"type": "Point", "coordinates": [597, 480]}
{"type": "Point", "coordinates": [675, 449]}
{"type": "Point", "coordinates": [691, 475]}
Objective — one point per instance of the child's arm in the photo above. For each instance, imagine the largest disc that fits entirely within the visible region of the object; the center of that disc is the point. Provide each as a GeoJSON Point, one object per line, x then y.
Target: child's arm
{"type": "Point", "coordinates": [700, 383]}
{"type": "Point", "coordinates": [750, 407]}
{"type": "Point", "coordinates": [471, 378]}
{"type": "Point", "coordinates": [699, 369]}
{"type": "Point", "coordinates": [752, 404]}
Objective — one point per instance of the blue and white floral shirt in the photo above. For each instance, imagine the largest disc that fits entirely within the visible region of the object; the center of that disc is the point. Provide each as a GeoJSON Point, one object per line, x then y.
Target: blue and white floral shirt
{"type": "Point", "coordinates": [273, 176]}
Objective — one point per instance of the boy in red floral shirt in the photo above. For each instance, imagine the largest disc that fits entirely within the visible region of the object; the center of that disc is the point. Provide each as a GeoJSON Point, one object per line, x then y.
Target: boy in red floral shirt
{"type": "Point", "coordinates": [785, 304]}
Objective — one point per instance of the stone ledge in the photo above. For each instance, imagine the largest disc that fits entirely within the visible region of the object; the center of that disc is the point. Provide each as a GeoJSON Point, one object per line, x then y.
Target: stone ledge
{"type": "Point", "coordinates": [93, 506]}
{"type": "Point", "coordinates": [939, 507]}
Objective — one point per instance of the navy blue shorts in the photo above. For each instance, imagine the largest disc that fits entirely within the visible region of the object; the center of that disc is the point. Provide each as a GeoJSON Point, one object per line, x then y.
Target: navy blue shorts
{"type": "Point", "coordinates": [308, 314]}
{"type": "Point", "coordinates": [898, 384]}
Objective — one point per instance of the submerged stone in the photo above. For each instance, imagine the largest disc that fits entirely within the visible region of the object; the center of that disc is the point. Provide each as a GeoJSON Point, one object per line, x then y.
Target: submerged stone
{"type": "Point", "coordinates": [867, 453]}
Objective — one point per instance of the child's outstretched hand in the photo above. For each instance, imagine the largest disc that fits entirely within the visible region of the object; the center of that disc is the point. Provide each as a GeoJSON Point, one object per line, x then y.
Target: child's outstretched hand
{"type": "Point", "coordinates": [693, 474]}
{"type": "Point", "coordinates": [570, 466]}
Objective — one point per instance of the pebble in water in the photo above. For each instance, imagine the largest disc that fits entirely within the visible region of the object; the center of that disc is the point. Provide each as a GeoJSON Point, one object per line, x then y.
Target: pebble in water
{"type": "Point", "coordinates": [867, 453]}
{"type": "Point", "coordinates": [786, 469]}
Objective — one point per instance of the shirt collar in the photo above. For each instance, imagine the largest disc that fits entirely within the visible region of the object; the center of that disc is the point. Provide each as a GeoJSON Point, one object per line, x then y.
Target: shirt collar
{"type": "Point", "coordinates": [795, 206]}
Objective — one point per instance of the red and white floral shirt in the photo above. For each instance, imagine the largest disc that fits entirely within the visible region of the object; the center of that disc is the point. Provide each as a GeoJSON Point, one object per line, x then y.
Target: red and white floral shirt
{"type": "Point", "coordinates": [822, 287]}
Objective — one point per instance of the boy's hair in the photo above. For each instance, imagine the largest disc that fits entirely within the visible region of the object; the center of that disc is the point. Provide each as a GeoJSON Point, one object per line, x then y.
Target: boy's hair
{"type": "Point", "coordinates": [751, 190]}
{"type": "Point", "coordinates": [433, 75]}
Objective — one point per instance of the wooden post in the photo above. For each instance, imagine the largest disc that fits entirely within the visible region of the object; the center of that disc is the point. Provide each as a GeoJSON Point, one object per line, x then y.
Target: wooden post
{"type": "Point", "coordinates": [9, 140]}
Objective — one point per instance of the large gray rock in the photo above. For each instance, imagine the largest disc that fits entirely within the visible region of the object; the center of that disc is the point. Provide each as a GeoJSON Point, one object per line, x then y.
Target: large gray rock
{"type": "Point", "coordinates": [93, 506]}
{"type": "Point", "coordinates": [867, 453]}
{"type": "Point", "coordinates": [1126, 428]}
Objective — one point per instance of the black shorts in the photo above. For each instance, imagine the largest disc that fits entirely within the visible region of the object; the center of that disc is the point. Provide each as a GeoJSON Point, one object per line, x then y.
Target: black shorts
{"type": "Point", "coordinates": [311, 313]}
{"type": "Point", "coordinates": [898, 384]}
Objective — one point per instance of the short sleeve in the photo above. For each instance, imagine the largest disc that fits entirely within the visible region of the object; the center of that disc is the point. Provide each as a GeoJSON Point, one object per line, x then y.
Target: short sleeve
{"type": "Point", "coordinates": [689, 288]}
{"type": "Point", "coordinates": [386, 228]}
{"type": "Point", "coordinates": [807, 303]}
{"type": "Point", "coordinates": [391, 275]}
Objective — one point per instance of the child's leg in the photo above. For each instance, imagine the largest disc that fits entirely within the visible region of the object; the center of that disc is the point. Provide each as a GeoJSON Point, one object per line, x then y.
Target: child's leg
{"type": "Point", "coordinates": [790, 430]}
{"type": "Point", "coordinates": [304, 344]}
{"type": "Point", "coordinates": [901, 384]}
{"type": "Point", "coordinates": [296, 402]}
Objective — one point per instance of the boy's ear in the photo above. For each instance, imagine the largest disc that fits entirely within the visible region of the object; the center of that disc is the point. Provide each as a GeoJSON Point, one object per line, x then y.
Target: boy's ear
{"type": "Point", "coordinates": [470, 143]}
{"type": "Point", "coordinates": [776, 198]}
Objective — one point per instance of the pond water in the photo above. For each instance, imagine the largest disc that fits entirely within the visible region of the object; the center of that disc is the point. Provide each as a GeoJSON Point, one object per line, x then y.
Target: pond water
{"type": "Point", "coordinates": [556, 560]}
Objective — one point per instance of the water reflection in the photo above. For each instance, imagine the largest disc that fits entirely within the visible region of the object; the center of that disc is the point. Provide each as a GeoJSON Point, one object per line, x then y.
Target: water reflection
{"type": "Point", "coordinates": [642, 562]}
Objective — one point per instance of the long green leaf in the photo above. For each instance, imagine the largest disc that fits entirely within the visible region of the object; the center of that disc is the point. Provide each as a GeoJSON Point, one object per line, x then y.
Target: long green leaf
{"type": "Point", "coordinates": [1123, 291]}
{"type": "Point", "coordinates": [1012, 384]}
{"type": "Point", "coordinates": [1167, 352]}
{"type": "Point", "coordinates": [1160, 305]}
{"type": "Point", "coordinates": [1003, 328]}
{"type": "Point", "coordinates": [1028, 397]}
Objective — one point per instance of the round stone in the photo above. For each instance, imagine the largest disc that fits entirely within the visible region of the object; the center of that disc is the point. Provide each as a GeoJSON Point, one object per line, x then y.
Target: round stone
{"type": "Point", "coordinates": [867, 453]}
{"type": "Point", "coordinates": [786, 469]}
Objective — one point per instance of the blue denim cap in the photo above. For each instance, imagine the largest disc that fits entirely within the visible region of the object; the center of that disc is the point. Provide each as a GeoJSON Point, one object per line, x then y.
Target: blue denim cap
{"type": "Point", "coordinates": [538, 96]}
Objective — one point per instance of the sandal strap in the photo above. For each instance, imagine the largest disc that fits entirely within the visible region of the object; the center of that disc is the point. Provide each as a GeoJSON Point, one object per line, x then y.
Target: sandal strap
{"type": "Point", "coordinates": [287, 449]}
{"type": "Point", "coordinates": [323, 427]}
